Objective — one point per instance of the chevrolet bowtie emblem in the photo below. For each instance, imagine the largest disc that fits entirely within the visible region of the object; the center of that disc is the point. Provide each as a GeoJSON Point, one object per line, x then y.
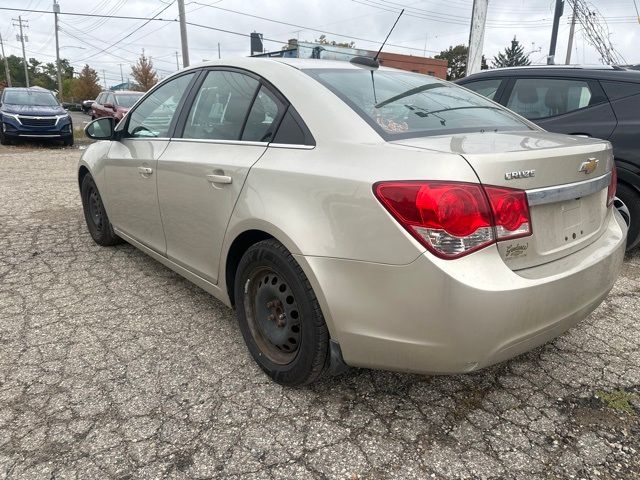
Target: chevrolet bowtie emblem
{"type": "Point", "coordinates": [589, 166]}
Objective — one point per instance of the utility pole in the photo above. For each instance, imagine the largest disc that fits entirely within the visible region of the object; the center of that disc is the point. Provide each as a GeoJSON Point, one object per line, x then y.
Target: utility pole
{"type": "Point", "coordinates": [7, 75]}
{"type": "Point", "coordinates": [121, 75]}
{"type": "Point", "coordinates": [104, 79]}
{"type": "Point", "coordinates": [23, 39]}
{"type": "Point", "coordinates": [551, 59]}
{"type": "Point", "coordinates": [476, 35]}
{"type": "Point", "coordinates": [183, 34]}
{"type": "Point", "coordinates": [56, 11]}
{"type": "Point", "coordinates": [219, 51]}
{"type": "Point", "coordinates": [571, 32]}
{"type": "Point", "coordinates": [177, 62]}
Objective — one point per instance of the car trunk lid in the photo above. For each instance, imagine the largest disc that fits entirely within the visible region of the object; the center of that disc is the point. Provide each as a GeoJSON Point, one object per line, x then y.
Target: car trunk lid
{"type": "Point", "coordinates": [565, 178]}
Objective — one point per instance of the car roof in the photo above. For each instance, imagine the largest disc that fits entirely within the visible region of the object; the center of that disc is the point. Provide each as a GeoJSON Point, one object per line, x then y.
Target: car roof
{"type": "Point", "coordinates": [599, 72]}
{"type": "Point", "coordinates": [298, 63]}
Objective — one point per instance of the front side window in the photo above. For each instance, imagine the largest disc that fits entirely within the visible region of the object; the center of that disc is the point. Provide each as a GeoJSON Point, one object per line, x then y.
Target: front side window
{"type": "Point", "coordinates": [546, 97]}
{"type": "Point", "coordinates": [153, 116]}
{"type": "Point", "coordinates": [109, 100]}
{"type": "Point", "coordinates": [221, 106]}
{"type": "Point", "coordinates": [31, 98]}
{"type": "Point", "coordinates": [402, 104]}
{"type": "Point", "coordinates": [486, 88]}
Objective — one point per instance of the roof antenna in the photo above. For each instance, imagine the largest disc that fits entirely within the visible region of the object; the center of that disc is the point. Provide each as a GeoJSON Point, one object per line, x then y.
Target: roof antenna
{"type": "Point", "coordinates": [373, 62]}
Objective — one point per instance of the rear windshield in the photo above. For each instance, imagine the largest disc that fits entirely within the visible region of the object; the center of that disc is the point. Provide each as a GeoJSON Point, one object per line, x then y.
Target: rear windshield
{"type": "Point", "coordinates": [23, 97]}
{"type": "Point", "coordinates": [127, 100]}
{"type": "Point", "coordinates": [402, 104]}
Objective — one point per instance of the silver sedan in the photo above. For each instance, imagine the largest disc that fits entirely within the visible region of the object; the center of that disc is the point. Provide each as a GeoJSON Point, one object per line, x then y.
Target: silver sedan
{"type": "Point", "coordinates": [359, 216]}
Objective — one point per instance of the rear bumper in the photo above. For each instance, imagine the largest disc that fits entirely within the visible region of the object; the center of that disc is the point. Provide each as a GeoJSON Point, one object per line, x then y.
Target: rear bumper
{"type": "Point", "coordinates": [439, 316]}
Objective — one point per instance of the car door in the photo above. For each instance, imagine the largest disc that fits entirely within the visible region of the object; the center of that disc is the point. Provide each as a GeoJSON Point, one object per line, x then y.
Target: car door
{"type": "Point", "coordinates": [231, 119]}
{"type": "Point", "coordinates": [575, 106]}
{"type": "Point", "coordinates": [131, 163]}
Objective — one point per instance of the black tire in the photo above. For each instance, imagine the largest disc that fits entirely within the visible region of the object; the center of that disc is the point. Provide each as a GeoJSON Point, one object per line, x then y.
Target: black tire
{"type": "Point", "coordinates": [279, 315]}
{"type": "Point", "coordinates": [68, 141]}
{"type": "Point", "coordinates": [631, 198]}
{"type": "Point", "coordinates": [95, 215]}
{"type": "Point", "coordinates": [4, 140]}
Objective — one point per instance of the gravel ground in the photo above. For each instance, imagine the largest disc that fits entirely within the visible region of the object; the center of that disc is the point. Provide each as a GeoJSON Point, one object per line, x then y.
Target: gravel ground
{"type": "Point", "coordinates": [112, 366]}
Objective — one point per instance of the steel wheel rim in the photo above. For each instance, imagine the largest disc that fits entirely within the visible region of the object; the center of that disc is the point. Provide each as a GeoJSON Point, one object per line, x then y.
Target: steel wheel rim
{"type": "Point", "coordinates": [95, 208]}
{"type": "Point", "coordinates": [273, 315]}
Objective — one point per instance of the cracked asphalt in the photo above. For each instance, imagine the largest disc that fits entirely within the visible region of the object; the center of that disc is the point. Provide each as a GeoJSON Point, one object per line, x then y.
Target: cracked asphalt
{"type": "Point", "coordinates": [112, 366]}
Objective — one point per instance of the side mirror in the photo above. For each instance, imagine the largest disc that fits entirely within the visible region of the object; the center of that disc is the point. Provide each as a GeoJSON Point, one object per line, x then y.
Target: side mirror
{"type": "Point", "coordinates": [101, 128]}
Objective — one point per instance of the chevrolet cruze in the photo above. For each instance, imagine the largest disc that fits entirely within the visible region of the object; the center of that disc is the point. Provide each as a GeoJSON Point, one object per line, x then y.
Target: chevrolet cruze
{"type": "Point", "coordinates": [360, 216]}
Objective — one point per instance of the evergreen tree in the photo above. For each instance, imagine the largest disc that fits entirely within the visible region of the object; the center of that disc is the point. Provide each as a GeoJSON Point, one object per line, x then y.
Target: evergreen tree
{"type": "Point", "coordinates": [144, 74]}
{"type": "Point", "coordinates": [513, 56]}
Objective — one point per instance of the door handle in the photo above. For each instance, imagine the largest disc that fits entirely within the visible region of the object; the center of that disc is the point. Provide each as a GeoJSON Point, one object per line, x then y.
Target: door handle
{"type": "Point", "coordinates": [145, 170]}
{"type": "Point", "coordinates": [219, 179]}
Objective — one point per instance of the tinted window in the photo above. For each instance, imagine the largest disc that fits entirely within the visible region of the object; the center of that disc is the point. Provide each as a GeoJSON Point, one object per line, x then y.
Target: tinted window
{"type": "Point", "coordinates": [546, 97]}
{"type": "Point", "coordinates": [615, 90]}
{"type": "Point", "coordinates": [292, 131]}
{"type": "Point", "coordinates": [263, 116]}
{"type": "Point", "coordinates": [221, 106]}
{"type": "Point", "coordinates": [486, 88]}
{"type": "Point", "coordinates": [402, 104]}
{"type": "Point", "coordinates": [152, 117]}
{"type": "Point", "coordinates": [29, 97]}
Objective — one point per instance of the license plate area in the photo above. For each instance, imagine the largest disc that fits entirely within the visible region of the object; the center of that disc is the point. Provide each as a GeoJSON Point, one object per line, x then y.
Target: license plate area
{"type": "Point", "coordinates": [559, 229]}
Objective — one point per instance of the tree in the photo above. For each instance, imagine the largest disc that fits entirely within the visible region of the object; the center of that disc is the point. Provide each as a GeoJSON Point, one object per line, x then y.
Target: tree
{"type": "Point", "coordinates": [85, 87]}
{"type": "Point", "coordinates": [144, 74]}
{"type": "Point", "coordinates": [513, 56]}
{"type": "Point", "coordinates": [457, 61]}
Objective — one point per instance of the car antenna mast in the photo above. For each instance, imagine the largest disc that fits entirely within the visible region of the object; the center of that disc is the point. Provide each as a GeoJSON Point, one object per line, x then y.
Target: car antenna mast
{"type": "Point", "coordinates": [373, 62]}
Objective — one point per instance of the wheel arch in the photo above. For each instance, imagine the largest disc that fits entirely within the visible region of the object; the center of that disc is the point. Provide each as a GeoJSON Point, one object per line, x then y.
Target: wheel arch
{"type": "Point", "coordinates": [83, 171]}
{"type": "Point", "coordinates": [627, 175]}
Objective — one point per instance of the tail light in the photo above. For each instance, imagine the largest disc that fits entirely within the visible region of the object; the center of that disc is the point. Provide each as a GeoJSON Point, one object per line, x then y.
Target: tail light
{"type": "Point", "coordinates": [611, 191]}
{"type": "Point", "coordinates": [453, 219]}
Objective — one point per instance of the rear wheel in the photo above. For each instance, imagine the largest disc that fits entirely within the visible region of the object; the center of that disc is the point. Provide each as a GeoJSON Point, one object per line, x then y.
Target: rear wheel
{"type": "Point", "coordinates": [95, 215]}
{"type": "Point", "coordinates": [631, 198]}
{"type": "Point", "coordinates": [279, 315]}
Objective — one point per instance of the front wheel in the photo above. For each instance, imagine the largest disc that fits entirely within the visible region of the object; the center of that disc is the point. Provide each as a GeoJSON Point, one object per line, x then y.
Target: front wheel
{"type": "Point", "coordinates": [95, 215]}
{"type": "Point", "coordinates": [4, 140]}
{"type": "Point", "coordinates": [68, 141]}
{"type": "Point", "coordinates": [279, 315]}
{"type": "Point", "coordinates": [631, 198]}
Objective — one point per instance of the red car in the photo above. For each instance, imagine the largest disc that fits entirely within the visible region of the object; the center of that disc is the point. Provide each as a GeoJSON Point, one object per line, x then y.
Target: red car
{"type": "Point", "coordinates": [114, 104]}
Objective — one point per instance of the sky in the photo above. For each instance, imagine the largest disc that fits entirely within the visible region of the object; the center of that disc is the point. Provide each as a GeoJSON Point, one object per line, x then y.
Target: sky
{"type": "Point", "coordinates": [427, 27]}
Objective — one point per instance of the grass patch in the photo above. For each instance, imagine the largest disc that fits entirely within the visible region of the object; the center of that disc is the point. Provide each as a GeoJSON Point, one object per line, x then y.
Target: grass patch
{"type": "Point", "coordinates": [618, 400]}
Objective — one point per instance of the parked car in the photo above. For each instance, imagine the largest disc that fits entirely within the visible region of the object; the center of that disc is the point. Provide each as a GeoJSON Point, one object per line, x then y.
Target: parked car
{"type": "Point", "coordinates": [28, 113]}
{"type": "Point", "coordinates": [369, 217]}
{"type": "Point", "coordinates": [86, 106]}
{"type": "Point", "coordinates": [114, 104]}
{"type": "Point", "coordinates": [73, 106]}
{"type": "Point", "coordinates": [598, 102]}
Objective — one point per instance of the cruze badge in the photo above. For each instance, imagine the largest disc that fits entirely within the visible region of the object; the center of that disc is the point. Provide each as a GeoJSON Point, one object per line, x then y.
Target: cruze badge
{"type": "Point", "coordinates": [589, 166]}
{"type": "Point", "coordinates": [519, 174]}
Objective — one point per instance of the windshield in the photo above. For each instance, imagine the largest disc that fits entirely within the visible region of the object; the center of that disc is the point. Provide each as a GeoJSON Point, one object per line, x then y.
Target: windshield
{"type": "Point", "coordinates": [24, 97]}
{"type": "Point", "coordinates": [402, 104]}
{"type": "Point", "coordinates": [127, 100]}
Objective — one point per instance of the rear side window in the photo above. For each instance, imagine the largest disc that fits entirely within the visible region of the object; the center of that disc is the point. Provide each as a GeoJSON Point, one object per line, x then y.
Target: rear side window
{"type": "Point", "coordinates": [263, 117]}
{"type": "Point", "coordinates": [616, 90]}
{"type": "Point", "coordinates": [221, 106]}
{"type": "Point", "coordinates": [402, 104]}
{"type": "Point", "coordinates": [293, 131]}
{"type": "Point", "coordinates": [486, 88]}
{"type": "Point", "coordinates": [546, 97]}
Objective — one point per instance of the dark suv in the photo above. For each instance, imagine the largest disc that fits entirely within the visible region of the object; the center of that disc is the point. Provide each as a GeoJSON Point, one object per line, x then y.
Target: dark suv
{"type": "Point", "coordinates": [601, 102]}
{"type": "Point", "coordinates": [29, 113]}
